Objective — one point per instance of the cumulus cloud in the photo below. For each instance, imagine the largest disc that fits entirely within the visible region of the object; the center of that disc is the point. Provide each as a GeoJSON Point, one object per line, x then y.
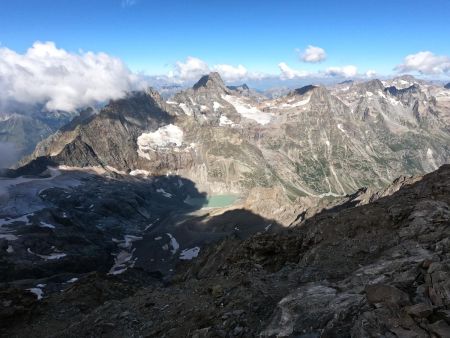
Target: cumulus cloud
{"type": "Point", "coordinates": [231, 73]}
{"type": "Point", "coordinates": [313, 54]}
{"type": "Point", "coordinates": [193, 68]}
{"type": "Point", "coordinates": [345, 71]}
{"type": "Point", "coordinates": [287, 73]}
{"type": "Point", "coordinates": [426, 63]}
{"type": "Point", "coordinates": [60, 80]}
{"type": "Point", "coordinates": [371, 73]}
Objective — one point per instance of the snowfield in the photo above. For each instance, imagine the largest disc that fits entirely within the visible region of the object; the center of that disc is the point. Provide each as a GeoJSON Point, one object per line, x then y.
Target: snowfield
{"type": "Point", "coordinates": [188, 254]}
{"type": "Point", "coordinates": [225, 121]}
{"type": "Point", "coordinates": [248, 111]}
{"type": "Point", "coordinates": [164, 137]}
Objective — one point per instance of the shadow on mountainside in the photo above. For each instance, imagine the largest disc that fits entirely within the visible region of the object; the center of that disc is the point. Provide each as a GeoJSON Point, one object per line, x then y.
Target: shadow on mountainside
{"type": "Point", "coordinates": [131, 110]}
{"type": "Point", "coordinates": [88, 221]}
{"type": "Point", "coordinates": [89, 225]}
{"type": "Point", "coordinates": [81, 216]}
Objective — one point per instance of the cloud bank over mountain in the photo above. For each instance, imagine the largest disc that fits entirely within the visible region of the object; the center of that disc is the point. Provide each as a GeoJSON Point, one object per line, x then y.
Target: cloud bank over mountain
{"type": "Point", "coordinates": [61, 80]}
{"type": "Point", "coordinates": [425, 63]}
{"type": "Point", "coordinates": [193, 68]}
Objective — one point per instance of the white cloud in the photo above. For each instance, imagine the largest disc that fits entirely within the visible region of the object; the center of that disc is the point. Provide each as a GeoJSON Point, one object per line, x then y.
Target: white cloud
{"type": "Point", "coordinates": [61, 80]}
{"type": "Point", "coordinates": [371, 73]}
{"type": "Point", "coordinates": [425, 62]}
{"type": "Point", "coordinates": [345, 71]}
{"type": "Point", "coordinates": [288, 73]}
{"type": "Point", "coordinates": [314, 54]}
{"type": "Point", "coordinates": [231, 73]}
{"type": "Point", "coordinates": [193, 68]}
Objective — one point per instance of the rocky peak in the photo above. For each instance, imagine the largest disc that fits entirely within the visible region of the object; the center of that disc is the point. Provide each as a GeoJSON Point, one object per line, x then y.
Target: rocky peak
{"type": "Point", "coordinates": [138, 104]}
{"type": "Point", "coordinates": [406, 77]}
{"type": "Point", "coordinates": [211, 82]}
{"type": "Point", "coordinates": [304, 90]}
{"type": "Point", "coordinates": [447, 86]}
{"type": "Point", "coordinates": [240, 88]}
{"type": "Point", "coordinates": [346, 82]}
{"type": "Point", "coordinates": [373, 86]}
{"type": "Point", "coordinates": [397, 92]}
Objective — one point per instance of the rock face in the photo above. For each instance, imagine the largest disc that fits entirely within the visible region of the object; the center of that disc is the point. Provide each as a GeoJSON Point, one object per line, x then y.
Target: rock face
{"type": "Point", "coordinates": [312, 143]}
{"type": "Point", "coordinates": [447, 86]}
{"type": "Point", "coordinates": [377, 270]}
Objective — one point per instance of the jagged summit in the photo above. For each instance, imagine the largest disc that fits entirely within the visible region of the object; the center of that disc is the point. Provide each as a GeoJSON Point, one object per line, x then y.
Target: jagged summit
{"type": "Point", "coordinates": [447, 86]}
{"type": "Point", "coordinates": [304, 90]}
{"type": "Point", "coordinates": [374, 86]}
{"type": "Point", "coordinates": [405, 77]}
{"type": "Point", "coordinates": [212, 81]}
{"type": "Point", "coordinates": [395, 91]}
{"type": "Point", "coordinates": [346, 82]}
{"type": "Point", "coordinates": [242, 87]}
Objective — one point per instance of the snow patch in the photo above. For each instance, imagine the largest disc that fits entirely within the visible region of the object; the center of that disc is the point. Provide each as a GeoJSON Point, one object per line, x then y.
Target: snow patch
{"type": "Point", "coordinates": [296, 104]}
{"type": "Point", "coordinates": [165, 137]}
{"type": "Point", "coordinates": [173, 243]}
{"type": "Point", "coordinates": [188, 254]}
{"type": "Point", "coordinates": [247, 110]}
{"type": "Point", "coordinates": [23, 218]}
{"type": "Point", "coordinates": [341, 128]}
{"type": "Point", "coordinates": [124, 259]}
{"type": "Point", "coordinates": [225, 121]}
{"type": "Point", "coordinates": [164, 193]}
{"type": "Point", "coordinates": [139, 172]}
{"type": "Point", "coordinates": [216, 106]}
{"type": "Point", "coordinates": [187, 110]}
{"type": "Point", "coordinates": [46, 225]}
{"type": "Point", "coordinates": [430, 158]}
{"type": "Point", "coordinates": [122, 262]}
{"type": "Point", "coordinates": [53, 256]}
{"type": "Point", "coordinates": [9, 237]}
{"type": "Point", "coordinates": [38, 292]}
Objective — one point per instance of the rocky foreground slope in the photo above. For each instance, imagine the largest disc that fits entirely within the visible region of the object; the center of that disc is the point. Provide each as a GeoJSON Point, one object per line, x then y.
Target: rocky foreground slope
{"type": "Point", "coordinates": [380, 269]}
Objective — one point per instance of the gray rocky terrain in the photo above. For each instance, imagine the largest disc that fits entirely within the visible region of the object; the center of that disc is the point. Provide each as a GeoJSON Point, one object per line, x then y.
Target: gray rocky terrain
{"type": "Point", "coordinates": [376, 270]}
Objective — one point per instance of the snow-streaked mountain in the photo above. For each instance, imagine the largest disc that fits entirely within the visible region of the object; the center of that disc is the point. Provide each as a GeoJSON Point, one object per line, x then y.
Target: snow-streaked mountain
{"type": "Point", "coordinates": [312, 143]}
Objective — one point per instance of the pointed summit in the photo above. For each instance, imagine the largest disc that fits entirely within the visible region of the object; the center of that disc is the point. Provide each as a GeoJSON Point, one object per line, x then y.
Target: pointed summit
{"type": "Point", "coordinates": [241, 88]}
{"type": "Point", "coordinates": [447, 86]}
{"type": "Point", "coordinates": [373, 86]}
{"type": "Point", "coordinates": [304, 90]}
{"type": "Point", "coordinates": [212, 81]}
{"type": "Point", "coordinates": [405, 77]}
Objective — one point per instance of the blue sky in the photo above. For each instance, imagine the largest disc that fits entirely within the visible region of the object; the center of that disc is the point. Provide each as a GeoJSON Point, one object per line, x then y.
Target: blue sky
{"type": "Point", "coordinates": [152, 36]}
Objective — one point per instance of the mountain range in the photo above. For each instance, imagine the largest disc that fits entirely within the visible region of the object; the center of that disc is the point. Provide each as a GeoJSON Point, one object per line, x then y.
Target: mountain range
{"type": "Point", "coordinates": [219, 212]}
{"type": "Point", "coordinates": [310, 144]}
